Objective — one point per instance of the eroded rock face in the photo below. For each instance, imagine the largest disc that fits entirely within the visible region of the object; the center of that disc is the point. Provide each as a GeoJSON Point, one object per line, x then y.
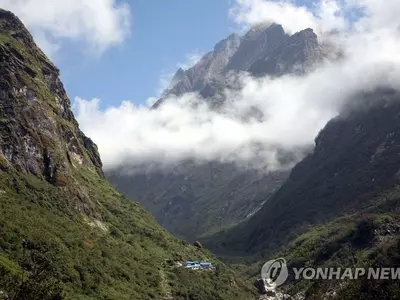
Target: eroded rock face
{"type": "Point", "coordinates": [208, 70]}
{"type": "Point", "coordinates": [212, 65]}
{"type": "Point", "coordinates": [38, 132]}
{"type": "Point", "coordinates": [297, 54]}
{"type": "Point", "coordinates": [257, 43]}
{"type": "Point", "coordinates": [264, 50]}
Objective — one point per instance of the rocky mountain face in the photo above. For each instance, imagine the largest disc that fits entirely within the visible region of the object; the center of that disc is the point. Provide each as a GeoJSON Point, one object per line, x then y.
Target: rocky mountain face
{"type": "Point", "coordinates": [178, 77]}
{"type": "Point", "coordinates": [65, 232]}
{"type": "Point", "coordinates": [295, 55]}
{"type": "Point", "coordinates": [339, 206]}
{"type": "Point", "coordinates": [355, 158]}
{"type": "Point", "coordinates": [206, 71]}
{"type": "Point", "coordinates": [39, 134]}
{"type": "Point", "coordinates": [264, 50]}
{"type": "Point", "coordinates": [197, 199]}
{"type": "Point", "coordinates": [256, 44]}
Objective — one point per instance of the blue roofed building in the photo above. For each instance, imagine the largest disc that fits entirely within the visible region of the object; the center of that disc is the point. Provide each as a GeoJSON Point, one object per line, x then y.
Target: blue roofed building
{"type": "Point", "coordinates": [195, 265]}
{"type": "Point", "coordinates": [206, 265]}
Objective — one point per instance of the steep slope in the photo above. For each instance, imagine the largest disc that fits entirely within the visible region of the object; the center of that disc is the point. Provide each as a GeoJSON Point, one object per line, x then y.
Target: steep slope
{"type": "Point", "coordinates": [263, 50]}
{"type": "Point", "coordinates": [338, 208]}
{"type": "Point", "coordinates": [65, 233]}
{"type": "Point", "coordinates": [355, 159]}
{"type": "Point", "coordinates": [206, 71]}
{"type": "Point", "coordinates": [196, 199]}
{"type": "Point", "coordinates": [296, 55]}
{"type": "Point", "coordinates": [199, 199]}
{"type": "Point", "coordinates": [369, 238]}
{"type": "Point", "coordinates": [178, 77]}
{"type": "Point", "coordinates": [257, 43]}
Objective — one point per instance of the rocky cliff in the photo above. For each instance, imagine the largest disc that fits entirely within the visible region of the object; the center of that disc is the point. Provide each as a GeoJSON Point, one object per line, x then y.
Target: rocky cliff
{"type": "Point", "coordinates": [38, 132]}
{"type": "Point", "coordinates": [256, 44]}
{"type": "Point", "coordinates": [296, 54]}
{"type": "Point", "coordinates": [264, 50]}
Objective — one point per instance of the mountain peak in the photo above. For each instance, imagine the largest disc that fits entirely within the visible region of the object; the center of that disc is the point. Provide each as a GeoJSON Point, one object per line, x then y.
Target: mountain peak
{"type": "Point", "coordinates": [231, 42]}
{"type": "Point", "coordinates": [10, 21]}
{"type": "Point", "coordinates": [256, 43]}
{"type": "Point", "coordinates": [297, 54]}
{"type": "Point", "coordinates": [275, 26]}
{"type": "Point", "coordinates": [179, 75]}
{"type": "Point", "coordinates": [263, 28]}
{"type": "Point", "coordinates": [259, 27]}
{"type": "Point", "coordinates": [233, 36]}
{"type": "Point", "coordinates": [12, 27]}
{"type": "Point", "coordinates": [252, 53]}
{"type": "Point", "coordinates": [308, 32]}
{"type": "Point", "coordinates": [180, 71]}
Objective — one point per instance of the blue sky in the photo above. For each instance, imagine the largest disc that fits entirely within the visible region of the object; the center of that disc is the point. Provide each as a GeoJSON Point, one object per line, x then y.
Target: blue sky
{"type": "Point", "coordinates": [162, 34]}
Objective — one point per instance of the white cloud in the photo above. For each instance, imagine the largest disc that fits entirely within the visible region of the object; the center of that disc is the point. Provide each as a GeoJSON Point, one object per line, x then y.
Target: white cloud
{"type": "Point", "coordinates": [100, 24]}
{"type": "Point", "coordinates": [253, 12]}
{"type": "Point", "coordinates": [377, 15]}
{"type": "Point", "coordinates": [324, 16]}
{"type": "Point", "coordinates": [295, 109]}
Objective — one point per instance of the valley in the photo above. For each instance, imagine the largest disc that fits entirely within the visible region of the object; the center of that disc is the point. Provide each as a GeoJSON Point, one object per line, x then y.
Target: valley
{"type": "Point", "coordinates": [258, 166]}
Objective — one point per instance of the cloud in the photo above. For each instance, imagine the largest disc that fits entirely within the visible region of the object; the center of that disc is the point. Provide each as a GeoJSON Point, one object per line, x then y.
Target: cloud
{"type": "Point", "coordinates": [377, 15]}
{"type": "Point", "coordinates": [293, 109]}
{"type": "Point", "coordinates": [253, 12]}
{"type": "Point", "coordinates": [323, 16]}
{"type": "Point", "coordinates": [99, 24]}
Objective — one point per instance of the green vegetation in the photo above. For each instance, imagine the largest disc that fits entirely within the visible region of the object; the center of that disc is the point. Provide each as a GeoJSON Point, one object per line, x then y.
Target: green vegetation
{"type": "Point", "coordinates": [101, 245]}
{"type": "Point", "coordinates": [369, 238]}
{"type": "Point", "coordinates": [41, 281]}
{"type": "Point", "coordinates": [65, 233]}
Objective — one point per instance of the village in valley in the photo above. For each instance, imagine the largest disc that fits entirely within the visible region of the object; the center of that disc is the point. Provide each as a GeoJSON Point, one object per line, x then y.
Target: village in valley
{"type": "Point", "coordinates": [195, 265]}
{"type": "Point", "coordinates": [192, 265]}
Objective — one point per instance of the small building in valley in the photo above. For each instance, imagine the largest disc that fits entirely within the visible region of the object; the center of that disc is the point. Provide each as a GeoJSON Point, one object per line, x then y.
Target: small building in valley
{"type": "Point", "coordinates": [195, 265]}
{"type": "Point", "coordinates": [206, 265]}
